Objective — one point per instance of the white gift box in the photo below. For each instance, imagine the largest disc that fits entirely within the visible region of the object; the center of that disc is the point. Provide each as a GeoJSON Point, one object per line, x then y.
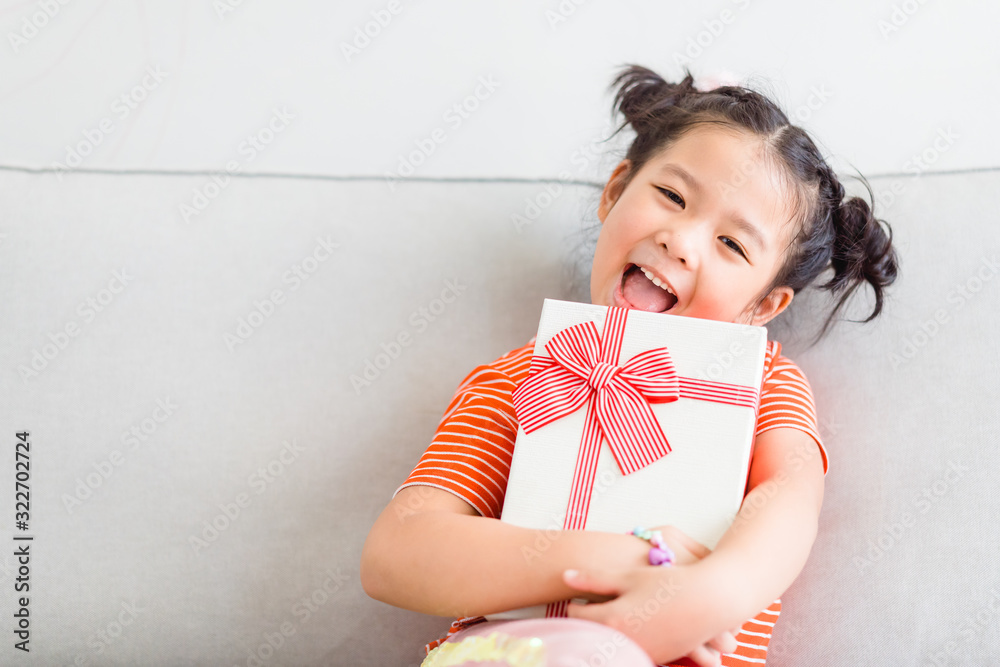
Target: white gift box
{"type": "Point", "coordinates": [698, 486]}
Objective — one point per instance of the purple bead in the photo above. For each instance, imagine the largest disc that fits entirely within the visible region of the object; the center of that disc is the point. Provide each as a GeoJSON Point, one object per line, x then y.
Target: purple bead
{"type": "Point", "coordinates": [658, 556]}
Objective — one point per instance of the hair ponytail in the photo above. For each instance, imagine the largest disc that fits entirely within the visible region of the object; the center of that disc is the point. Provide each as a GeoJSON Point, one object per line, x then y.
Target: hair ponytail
{"type": "Point", "coordinates": [862, 253]}
{"type": "Point", "coordinates": [646, 100]}
{"type": "Point", "coordinates": [836, 233]}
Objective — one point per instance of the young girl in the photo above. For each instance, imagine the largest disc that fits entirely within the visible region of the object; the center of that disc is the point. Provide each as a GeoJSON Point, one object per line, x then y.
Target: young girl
{"type": "Point", "coordinates": [721, 210]}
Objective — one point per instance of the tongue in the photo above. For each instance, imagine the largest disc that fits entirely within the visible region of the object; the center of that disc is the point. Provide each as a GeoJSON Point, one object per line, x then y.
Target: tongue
{"type": "Point", "coordinates": [643, 294]}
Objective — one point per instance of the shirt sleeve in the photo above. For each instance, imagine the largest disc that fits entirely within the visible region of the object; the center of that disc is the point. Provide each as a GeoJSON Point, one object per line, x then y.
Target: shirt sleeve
{"type": "Point", "coordinates": [471, 450]}
{"type": "Point", "coordinates": [787, 401]}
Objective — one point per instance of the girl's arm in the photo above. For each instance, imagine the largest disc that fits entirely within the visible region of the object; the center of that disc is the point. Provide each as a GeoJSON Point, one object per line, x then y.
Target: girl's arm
{"type": "Point", "coordinates": [769, 542]}
{"type": "Point", "coordinates": [430, 551]}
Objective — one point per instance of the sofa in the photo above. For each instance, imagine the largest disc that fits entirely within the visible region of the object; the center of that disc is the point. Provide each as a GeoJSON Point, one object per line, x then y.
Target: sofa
{"type": "Point", "coordinates": [219, 408]}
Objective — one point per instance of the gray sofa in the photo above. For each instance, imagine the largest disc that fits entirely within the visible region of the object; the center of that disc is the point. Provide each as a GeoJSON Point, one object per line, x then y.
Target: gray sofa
{"type": "Point", "coordinates": [218, 410]}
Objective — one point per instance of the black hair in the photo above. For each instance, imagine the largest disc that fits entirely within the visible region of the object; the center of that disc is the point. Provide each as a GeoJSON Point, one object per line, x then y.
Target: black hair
{"type": "Point", "coordinates": [832, 232]}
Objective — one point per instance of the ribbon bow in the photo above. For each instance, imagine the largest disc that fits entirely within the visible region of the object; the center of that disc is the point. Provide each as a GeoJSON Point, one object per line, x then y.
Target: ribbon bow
{"type": "Point", "coordinates": [580, 369]}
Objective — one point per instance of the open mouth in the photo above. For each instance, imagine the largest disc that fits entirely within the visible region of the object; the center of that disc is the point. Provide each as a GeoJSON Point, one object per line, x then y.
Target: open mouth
{"type": "Point", "coordinates": [641, 292]}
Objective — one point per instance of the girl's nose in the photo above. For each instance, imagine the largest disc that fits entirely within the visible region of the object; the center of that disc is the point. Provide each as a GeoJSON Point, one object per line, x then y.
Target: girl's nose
{"type": "Point", "coordinates": [680, 244]}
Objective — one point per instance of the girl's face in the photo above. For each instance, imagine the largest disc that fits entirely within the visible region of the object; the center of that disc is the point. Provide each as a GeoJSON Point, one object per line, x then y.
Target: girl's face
{"type": "Point", "coordinates": [715, 238]}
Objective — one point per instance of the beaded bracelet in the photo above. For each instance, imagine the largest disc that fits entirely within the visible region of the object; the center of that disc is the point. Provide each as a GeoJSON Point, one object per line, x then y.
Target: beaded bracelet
{"type": "Point", "coordinates": [659, 553]}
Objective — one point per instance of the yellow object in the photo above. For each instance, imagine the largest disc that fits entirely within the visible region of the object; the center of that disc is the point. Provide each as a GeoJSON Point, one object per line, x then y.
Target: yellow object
{"type": "Point", "coordinates": [516, 651]}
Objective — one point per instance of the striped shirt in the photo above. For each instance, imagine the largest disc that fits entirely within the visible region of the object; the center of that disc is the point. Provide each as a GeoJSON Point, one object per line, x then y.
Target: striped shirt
{"type": "Point", "coordinates": [471, 452]}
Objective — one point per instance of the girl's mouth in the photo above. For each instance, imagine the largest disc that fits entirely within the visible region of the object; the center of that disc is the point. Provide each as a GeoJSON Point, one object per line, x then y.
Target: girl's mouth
{"type": "Point", "coordinates": [640, 293]}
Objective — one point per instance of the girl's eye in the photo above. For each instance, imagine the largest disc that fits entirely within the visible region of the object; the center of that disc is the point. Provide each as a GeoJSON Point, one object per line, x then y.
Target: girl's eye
{"type": "Point", "coordinates": [733, 244]}
{"type": "Point", "coordinates": [673, 196]}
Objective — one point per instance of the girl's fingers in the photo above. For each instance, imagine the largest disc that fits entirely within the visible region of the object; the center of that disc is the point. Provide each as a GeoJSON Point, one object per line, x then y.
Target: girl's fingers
{"type": "Point", "coordinates": [705, 657]}
{"type": "Point", "coordinates": [590, 581]}
{"type": "Point", "coordinates": [594, 582]}
{"type": "Point", "coordinates": [584, 611]}
{"type": "Point", "coordinates": [724, 643]}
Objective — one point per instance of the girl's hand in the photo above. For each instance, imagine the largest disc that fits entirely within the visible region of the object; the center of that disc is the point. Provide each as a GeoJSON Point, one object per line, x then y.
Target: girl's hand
{"type": "Point", "coordinates": [687, 550]}
{"type": "Point", "coordinates": [661, 595]}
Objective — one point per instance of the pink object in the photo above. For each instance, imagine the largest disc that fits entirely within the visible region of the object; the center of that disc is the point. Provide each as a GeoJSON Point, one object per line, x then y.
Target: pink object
{"type": "Point", "coordinates": [660, 553]}
{"type": "Point", "coordinates": [712, 81]}
{"type": "Point", "coordinates": [658, 556]}
{"type": "Point", "coordinates": [564, 642]}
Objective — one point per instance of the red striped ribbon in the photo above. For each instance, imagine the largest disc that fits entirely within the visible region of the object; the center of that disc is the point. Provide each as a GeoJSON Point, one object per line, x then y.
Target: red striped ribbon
{"type": "Point", "coordinates": [583, 369]}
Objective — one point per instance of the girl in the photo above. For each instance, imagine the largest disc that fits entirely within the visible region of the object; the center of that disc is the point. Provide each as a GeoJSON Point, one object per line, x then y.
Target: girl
{"type": "Point", "coordinates": [722, 210]}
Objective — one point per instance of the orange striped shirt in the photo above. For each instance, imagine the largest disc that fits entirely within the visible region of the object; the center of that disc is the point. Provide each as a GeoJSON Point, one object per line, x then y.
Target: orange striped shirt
{"type": "Point", "coordinates": [471, 452]}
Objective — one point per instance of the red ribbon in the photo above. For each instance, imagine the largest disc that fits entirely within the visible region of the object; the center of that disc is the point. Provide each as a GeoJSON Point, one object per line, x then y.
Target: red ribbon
{"type": "Point", "coordinates": [582, 369]}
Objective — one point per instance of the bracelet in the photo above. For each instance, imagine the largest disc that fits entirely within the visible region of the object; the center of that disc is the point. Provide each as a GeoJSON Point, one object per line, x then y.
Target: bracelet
{"type": "Point", "coordinates": [659, 553]}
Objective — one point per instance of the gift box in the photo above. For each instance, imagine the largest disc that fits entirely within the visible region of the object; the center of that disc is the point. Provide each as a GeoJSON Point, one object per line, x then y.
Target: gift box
{"type": "Point", "coordinates": [629, 418]}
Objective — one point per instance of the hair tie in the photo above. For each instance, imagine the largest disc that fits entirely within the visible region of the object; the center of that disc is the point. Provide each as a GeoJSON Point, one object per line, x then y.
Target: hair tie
{"type": "Point", "coordinates": [659, 553]}
{"type": "Point", "coordinates": [711, 82]}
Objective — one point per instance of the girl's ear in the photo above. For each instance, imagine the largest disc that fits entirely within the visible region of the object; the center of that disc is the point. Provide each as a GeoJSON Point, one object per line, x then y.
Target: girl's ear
{"type": "Point", "coordinates": [772, 305]}
{"type": "Point", "coordinates": [613, 189]}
